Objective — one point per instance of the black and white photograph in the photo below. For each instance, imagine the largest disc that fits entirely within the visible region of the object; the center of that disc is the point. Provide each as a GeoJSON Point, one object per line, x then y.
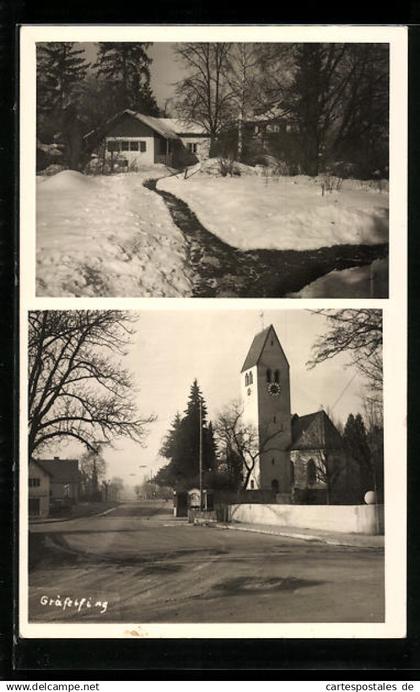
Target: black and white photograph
{"type": "Point", "coordinates": [193, 466]}
{"type": "Point", "coordinates": [219, 169]}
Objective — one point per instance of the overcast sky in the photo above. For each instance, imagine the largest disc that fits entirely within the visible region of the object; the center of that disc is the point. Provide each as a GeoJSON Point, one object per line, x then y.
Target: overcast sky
{"type": "Point", "coordinates": [172, 347]}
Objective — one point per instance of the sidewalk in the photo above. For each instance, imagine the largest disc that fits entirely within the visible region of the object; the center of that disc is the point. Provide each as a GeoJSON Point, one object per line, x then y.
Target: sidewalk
{"type": "Point", "coordinates": [83, 509]}
{"type": "Point", "coordinates": [356, 540]}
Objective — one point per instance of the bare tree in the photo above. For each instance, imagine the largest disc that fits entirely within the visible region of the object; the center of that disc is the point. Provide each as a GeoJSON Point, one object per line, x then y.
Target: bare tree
{"type": "Point", "coordinates": [357, 333]}
{"type": "Point", "coordinates": [243, 439]}
{"type": "Point", "coordinates": [241, 75]}
{"type": "Point", "coordinates": [77, 385]}
{"type": "Point", "coordinates": [204, 96]}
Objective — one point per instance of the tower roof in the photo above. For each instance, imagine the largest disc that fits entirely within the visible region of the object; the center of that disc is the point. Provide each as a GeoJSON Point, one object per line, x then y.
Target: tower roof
{"type": "Point", "coordinates": [257, 347]}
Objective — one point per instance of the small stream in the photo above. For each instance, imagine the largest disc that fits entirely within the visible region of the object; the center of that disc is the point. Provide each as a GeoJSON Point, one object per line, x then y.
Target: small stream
{"type": "Point", "coordinates": [221, 270]}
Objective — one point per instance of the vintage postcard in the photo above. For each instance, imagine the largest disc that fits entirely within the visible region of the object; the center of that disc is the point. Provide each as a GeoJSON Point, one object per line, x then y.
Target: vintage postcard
{"type": "Point", "coordinates": [202, 454]}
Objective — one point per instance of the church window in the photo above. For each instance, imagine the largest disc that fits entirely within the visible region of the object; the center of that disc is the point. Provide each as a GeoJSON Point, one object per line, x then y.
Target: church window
{"type": "Point", "coordinates": [268, 375]}
{"type": "Point", "coordinates": [250, 378]}
{"type": "Point", "coordinates": [311, 472]}
{"type": "Point", "coordinates": [252, 485]}
{"type": "Point", "coordinates": [246, 380]}
{"type": "Point", "coordinates": [292, 473]}
{"type": "Point", "coordinates": [273, 461]}
{"type": "Point", "coordinates": [276, 376]}
{"type": "Point", "coordinates": [274, 419]}
{"type": "Point", "coordinates": [275, 485]}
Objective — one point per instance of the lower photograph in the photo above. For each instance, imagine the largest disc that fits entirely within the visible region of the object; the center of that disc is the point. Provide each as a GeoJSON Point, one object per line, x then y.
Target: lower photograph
{"type": "Point", "coordinates": [203, 466]}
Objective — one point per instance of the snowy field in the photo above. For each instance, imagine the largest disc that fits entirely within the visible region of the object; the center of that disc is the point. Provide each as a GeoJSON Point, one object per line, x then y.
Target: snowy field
{"type": "Point", "coordinates": [107, 236]}
{"type": "Point", "coordinates": [285, 213]}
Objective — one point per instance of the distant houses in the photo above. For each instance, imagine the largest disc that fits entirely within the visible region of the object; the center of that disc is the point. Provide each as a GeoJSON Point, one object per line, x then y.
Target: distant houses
{"type": "Point", "coordinates": [54, 484]}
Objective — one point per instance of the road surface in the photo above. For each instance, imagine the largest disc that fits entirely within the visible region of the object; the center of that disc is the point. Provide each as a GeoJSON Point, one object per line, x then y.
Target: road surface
{"type": "Point", "coordinates": [138, 564]}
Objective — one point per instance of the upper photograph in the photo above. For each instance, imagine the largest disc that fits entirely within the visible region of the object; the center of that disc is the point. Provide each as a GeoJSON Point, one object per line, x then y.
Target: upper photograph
{"type": "Point", "coordinates": [212, 169]}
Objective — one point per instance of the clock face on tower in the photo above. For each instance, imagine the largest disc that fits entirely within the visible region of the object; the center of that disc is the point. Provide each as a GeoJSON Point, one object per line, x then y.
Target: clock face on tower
{"type": "Point", "coordinates": [274, 389]}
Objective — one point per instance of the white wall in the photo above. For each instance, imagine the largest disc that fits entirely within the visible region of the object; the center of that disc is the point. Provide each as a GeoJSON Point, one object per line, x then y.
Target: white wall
{"type": "Point", "coordinates": [135, 157]}
{"type": "Point", "coordinates": [339, 518]}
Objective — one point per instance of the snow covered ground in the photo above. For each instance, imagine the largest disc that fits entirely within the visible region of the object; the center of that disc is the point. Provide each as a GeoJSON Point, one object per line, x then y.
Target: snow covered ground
{"type": "Point", "coordinates": [370, 281]}
{"type": "Point", "coordinates": [285, 213]}
{"type": "Point", "coordinates": [107, 236]}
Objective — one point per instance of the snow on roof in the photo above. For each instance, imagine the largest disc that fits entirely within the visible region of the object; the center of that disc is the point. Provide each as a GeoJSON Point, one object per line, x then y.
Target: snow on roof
{"type": "Point", "coordinates": [274, 113]}
{"type": "Point", "coordinates": [157, 124]}
{"type": "Point", "coordinates": [183, 127]}
{"type": "Point", "coordinates": [169, 128]}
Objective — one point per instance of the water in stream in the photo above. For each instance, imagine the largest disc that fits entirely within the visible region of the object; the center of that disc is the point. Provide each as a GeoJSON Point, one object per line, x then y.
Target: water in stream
{"type": "Point", "coordinates": [221, 270]}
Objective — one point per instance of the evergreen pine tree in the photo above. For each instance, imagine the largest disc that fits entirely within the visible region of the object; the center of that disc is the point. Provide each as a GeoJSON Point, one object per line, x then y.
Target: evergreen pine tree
{"type": "Point", "coordinates": [182, 445]}
{"type": "Point", "coordinates": [126, 68]}
{"type": "Point", "coordinates": [356, 441]}
{"type": "Point", "coordinates": [61, 67]}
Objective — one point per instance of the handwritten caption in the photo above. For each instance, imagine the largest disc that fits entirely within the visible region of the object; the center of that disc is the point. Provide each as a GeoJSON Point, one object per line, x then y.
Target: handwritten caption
{"type": "Point", "coordinates": [76, 604]}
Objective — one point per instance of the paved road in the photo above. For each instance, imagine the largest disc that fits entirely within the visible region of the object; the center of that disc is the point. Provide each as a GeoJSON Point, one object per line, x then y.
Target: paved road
{"type": "Point", "coordinates": [147, 566]}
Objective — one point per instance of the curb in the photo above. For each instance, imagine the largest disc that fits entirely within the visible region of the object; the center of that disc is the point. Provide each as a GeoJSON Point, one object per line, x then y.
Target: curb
{"type": "Point", "coordinates": [301, 536]}
{"type": "Point", "coordinates": [81, 516]}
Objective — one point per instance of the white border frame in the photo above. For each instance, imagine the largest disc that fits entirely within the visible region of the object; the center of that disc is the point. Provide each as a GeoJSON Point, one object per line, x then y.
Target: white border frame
{"type": "Point", "coordinates": [394, 311]}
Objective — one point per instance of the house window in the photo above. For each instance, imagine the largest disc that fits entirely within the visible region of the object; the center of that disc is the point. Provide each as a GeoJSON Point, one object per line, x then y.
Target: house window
{"type": "Point", "coordinates": [142, 147]}
{"type": "Point", "coordinates": [134, 146]}
{"type": "Point", "coordinates": [34, 482]}
{"type": "Point", "coordinates": [192, 147]}
{"type": "Point", "coordinates": [125, 146]}
{"type": "Point", "coordinates": [34, 506]}
{"type": "Point", "coordinates": [311, 472]}
{"type": "Point", "coordinates": [113, 145]}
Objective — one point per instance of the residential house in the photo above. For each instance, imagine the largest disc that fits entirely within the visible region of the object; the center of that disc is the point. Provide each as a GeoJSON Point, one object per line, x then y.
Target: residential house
{"type": "Point", "coordinates": [39, 490]}
{"type": "Point", "coordinates": [132, 140]}
{"type": "Point", "coordinates": [64, 478]}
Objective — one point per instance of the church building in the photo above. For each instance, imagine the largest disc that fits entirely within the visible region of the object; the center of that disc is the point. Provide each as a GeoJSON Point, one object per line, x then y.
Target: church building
{"type": "Point", "coordinates": [298, 456]}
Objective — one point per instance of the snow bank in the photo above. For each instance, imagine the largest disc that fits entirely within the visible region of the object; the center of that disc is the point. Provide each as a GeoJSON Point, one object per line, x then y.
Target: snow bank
{"type": "Point", "coordinates": [284, 213]}
{"type": "Point", "coordinates": [357, 282]}
{"type": "Point", "coordinates": [107, 236]}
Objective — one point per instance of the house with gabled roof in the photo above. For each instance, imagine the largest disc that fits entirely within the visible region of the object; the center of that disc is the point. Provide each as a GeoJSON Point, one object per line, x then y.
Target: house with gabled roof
{"type": "Point", "coordinates": [64, 478]}
{"type": "Point", "coordinates": [141, 140]}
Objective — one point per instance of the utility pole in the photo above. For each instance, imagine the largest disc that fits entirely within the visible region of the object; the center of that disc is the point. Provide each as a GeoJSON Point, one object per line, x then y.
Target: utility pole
{"type": "Point", "coordinates": [200, 459]}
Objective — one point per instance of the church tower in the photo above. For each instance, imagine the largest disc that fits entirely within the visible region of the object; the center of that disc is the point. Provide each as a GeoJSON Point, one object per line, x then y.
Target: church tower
{"type": "Point", "coordinates": [265, 393]}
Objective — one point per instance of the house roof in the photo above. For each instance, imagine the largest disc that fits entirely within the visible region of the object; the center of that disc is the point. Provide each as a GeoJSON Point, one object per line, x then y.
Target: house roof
{"type": "Point", "coordinates": [257, 347]}
{"type": "Point", "coordinates": [274, 113]}
{"type": "Point", "coordinates": [159, 125]}
{"type": "Point", "coordinates": [36, 462]}
{"type": "Point", "coordinates": [183, 127]}
{"type": "Point", "coordinates": [314, 431]}
{"type": "Point", "coordinates": [61, 470]}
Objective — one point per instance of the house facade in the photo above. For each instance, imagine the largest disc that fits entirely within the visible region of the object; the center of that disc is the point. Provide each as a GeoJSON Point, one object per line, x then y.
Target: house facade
{"type": "Point", "coordinates": [132, 140]}
{"type": "Point", "coordinates": [38, 490]}
{"type": "Point", "coordinates": [64, 478]}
